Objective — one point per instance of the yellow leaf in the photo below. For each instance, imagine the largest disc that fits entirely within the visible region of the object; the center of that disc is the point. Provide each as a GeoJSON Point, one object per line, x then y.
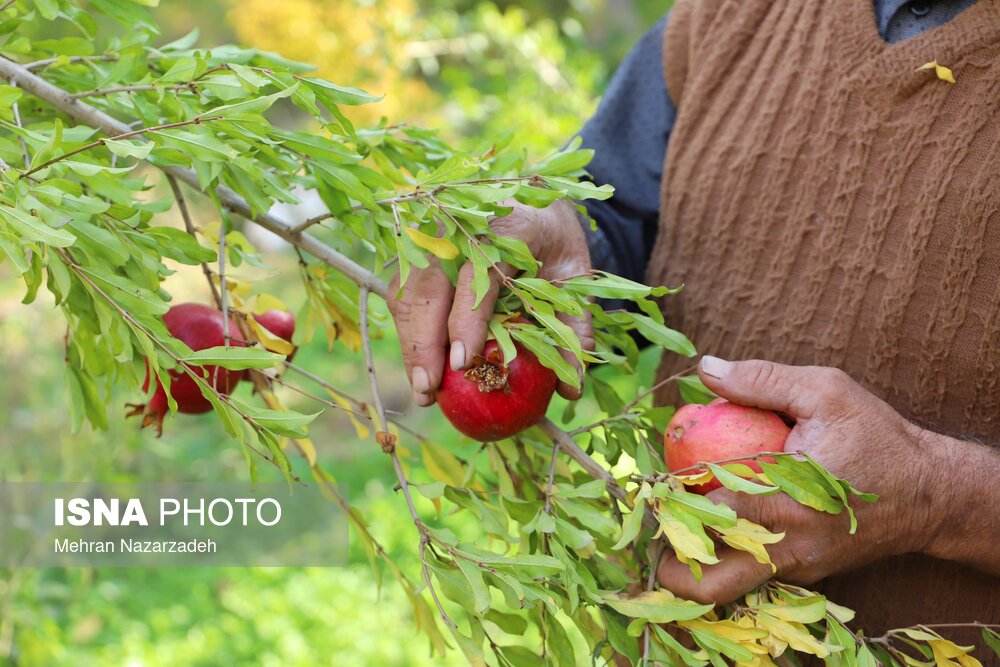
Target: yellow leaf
{"type": "Point", "coordinates": [685, 541]}
{"type": "Point", "coordinates": [946, 653]}
{"type": "Point", "coordinates": [266, 302]}
{"type": "Point", "coordinates": [748, 536]}
{"type": "Point", "coordinates": [794, 634]}
{"type": "Point", "coordinates": [737, 631]}
{"type": "Point", "coordinates": [443, 465]}
{"type": "Point", "coordinates": [942, 72]}
{"type": "Point", "coordinates": [307, 449]}
{"type": "Point", "coordinates": [268, 339]}
{"type": "Point", "coordinates": [359, 427]}
{"type": "Point", "coordinates": [443, 248]}
{"type": "Point", "coordinates": [695, 478]}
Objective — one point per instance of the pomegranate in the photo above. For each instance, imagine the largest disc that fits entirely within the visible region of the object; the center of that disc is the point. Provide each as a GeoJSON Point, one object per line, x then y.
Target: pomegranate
{"type": "Point", "coordinates": [199, 327]}
{"type": "Point", "coordinates": [721, 431]}
{"type": "Point", "coordinates": [491, 401]}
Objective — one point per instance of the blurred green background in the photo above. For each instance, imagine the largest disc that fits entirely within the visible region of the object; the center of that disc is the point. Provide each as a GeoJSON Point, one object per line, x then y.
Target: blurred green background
{"type": "Point", "coordinates": [466, 68]}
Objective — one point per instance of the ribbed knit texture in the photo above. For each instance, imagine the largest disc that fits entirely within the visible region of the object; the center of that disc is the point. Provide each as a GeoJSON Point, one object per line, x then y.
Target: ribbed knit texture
{"type": "Point", "coordinates": [826, 204]}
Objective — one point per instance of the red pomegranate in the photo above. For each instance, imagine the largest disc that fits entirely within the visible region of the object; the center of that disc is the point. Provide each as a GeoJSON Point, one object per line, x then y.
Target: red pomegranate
{"type": "Point", "coordinates": [721, 431]}
{"type": "Point", "coordinates": [491, 401]}
{"type": "Point", "coordinates": [199, 327]}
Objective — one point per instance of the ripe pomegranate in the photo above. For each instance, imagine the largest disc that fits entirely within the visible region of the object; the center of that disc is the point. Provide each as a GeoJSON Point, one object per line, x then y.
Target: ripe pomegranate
{"type": "Point", "coordinates": [199, 327]}
{"type": "Point", "coordinates": [491, 401]}
{"type": "Point", "coordinates": [720, 431]}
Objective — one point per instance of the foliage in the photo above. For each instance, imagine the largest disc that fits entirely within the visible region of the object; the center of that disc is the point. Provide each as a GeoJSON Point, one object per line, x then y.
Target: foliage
{"type": "Point", "coordinates": [549, 565]}
{"type": "Point", "coordinates": [477, 72]}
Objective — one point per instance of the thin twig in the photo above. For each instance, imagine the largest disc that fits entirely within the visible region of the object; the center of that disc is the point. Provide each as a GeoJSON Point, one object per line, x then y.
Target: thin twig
{"type": "Point", "coordinates": [676, 376]}
{"type": "Point", "coordinates": [17, 120]}
{"type": "Point", "coordinates": [387, 441]}
{"type": "Point", "coordinates": [83, 275]}
{"type": "Point", "coordinates": [561, 439]}
{"type": "Point", "coordinates": [197, 120]}
{"type": "Point", "coordinates": [189, 226]}
{"type": "Point", "coordinates": [97, 92]}
{"type": "Point", "coordinates": [223, 289]}
{"type": "Point", "coordinates": [552, 478]}
{"type": "Point", "coordinates": [658, 548]}
{"type": "Point", "coordinates": [72, 59]}
{"type": "Point", "coordinates": [7, 4]}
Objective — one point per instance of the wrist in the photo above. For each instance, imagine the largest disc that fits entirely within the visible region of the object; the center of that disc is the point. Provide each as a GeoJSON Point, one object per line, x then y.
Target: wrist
{"type": "Point", "coordinates": [946, 514]}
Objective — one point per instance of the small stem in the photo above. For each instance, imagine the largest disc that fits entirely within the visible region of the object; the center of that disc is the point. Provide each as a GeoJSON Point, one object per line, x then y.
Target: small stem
{"type": "Point", "coordinates": [134, 133]}
{"type": "Point", "coordinates": [388, 445]}
{"type": "Point", "coordinates": [739, 459]}
{"type": "Point", "coordinates": [592, 467]}
{"type": "Point", "coordinates": [17, 117]}
{"type": "Point", "coordinates": [83, 275]}
{"type": "Point", "coordinates": [676, 376]}
{"type": "Point", "coordinates": [72, 59]}
{"type": "Point", "coordinates": [223, 290]}
{"type": "Point", "coordinates": [132, 89]}
{"type": "Point", "coordinates": [189, 226]}
{"type": "Point", "coordinates": [654, 566]}
{"type": "Point", "coordinates": [552, 478]}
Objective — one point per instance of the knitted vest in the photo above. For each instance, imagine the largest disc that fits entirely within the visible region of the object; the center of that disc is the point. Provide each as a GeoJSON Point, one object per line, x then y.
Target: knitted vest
{"type": "Point", "coordinates": [824, 203]}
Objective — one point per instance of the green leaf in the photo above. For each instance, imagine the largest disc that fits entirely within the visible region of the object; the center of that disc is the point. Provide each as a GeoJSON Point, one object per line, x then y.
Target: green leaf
{"type": "Point", "coordinates": [125, 148]}
{"type": "Point", "coordinates": [631, 526]}
{"type": "Point", "coordinates": [481, 594]}
{"type": "Point", "coordinates": [693, 390]}
{"type": "Point", "coordinates": [331, 94]}
{"type": "Point", "coordinates": [992, 639]}
{"type": "Point", "coordinates": [257, 105]}
{"type": "Point", "coordinates": [283, 422]}
{"type": "Point", "coordinates": [665, 337]}
{"type": "Point", "coordinates": [235, 358]}
{"type": "Point", "coordinates": [30, 227]}
{"type": "Point", "coordinates": [737, 483]}
{"type": "Point", "coordinates": [801, 483]}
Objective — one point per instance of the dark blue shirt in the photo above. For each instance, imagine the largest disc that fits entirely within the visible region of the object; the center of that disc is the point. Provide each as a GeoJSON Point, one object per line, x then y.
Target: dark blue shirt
{"type": "Point", "coordinates": [631, 127]}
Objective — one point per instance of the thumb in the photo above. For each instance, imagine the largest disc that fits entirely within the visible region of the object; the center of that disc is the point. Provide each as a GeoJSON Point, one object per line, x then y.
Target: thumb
{"type": "Point", "coordinates": [798, 391]}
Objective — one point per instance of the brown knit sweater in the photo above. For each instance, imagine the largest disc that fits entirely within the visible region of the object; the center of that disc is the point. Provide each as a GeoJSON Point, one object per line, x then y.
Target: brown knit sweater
{"type": "Point", "coordinates": [826, 204]}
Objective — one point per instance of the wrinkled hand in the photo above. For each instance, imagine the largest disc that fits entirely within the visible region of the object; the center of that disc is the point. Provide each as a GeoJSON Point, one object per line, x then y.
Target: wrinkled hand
{"type": "Point", "coordinates": [853, 434]}
{"type": "Point", "coordinates": [431, 314]}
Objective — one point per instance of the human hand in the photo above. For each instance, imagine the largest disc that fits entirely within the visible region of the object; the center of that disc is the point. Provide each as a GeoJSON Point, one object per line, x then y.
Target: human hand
{"type": "Point", "coordinates": [856, 436]}
{"type": "Point", "coordinates": [431, 314]}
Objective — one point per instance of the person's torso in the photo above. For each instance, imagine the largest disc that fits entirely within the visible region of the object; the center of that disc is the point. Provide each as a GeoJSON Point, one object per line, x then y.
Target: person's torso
{"type": "Point", "coordinates": [826, 203]}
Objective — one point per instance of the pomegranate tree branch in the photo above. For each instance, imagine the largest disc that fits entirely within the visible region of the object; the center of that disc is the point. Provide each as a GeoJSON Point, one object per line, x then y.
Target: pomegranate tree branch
{"type": "Point", "coordinates": [189, 226]}
{"type": "Point", "coordinates": [98, 92]}
{"type": "Point", "coordinates": [85, 114]}
{"type": "Point", "coordinates": [72, 59]}
{"type": "Point", "coordinates": [561, 440]}
{"type": "Point", "coordinates": [388, 443]}
{"type": "Point", "coordinates": [197, 120]}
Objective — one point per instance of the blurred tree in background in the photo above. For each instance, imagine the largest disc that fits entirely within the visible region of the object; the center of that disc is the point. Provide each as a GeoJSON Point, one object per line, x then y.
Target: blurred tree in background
{"type": "Point", "coordinates": [466, 67]}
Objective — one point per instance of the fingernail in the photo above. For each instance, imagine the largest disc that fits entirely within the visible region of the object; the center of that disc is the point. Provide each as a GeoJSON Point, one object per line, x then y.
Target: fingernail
{"type": "Point", "coordinates": [421, 382]}
{"type": "Point", "coordinates": [715, 367]}
{"type": "Point", "coordinates": [423, 400]}
{"type": "Point", "coordinates": [457, 356]}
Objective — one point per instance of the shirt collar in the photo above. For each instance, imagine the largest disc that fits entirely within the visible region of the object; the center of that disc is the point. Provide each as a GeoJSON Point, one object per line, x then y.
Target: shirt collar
{"type": "Point", "coordinates": [885, 10]}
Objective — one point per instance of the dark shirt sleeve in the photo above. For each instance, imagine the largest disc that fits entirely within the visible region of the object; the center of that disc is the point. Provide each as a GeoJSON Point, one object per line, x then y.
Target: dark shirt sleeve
{"type": "Point", "coordinates": [629, 134]}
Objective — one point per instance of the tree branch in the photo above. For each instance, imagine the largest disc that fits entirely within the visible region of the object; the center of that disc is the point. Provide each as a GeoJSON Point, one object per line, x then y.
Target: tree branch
{"type": "Point", "coordinates": [85, 114]}
{"type": "Point", "coordinates": [388, 443]}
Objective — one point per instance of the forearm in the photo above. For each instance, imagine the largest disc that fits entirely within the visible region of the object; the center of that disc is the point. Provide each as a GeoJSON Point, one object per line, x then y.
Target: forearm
{"type": "Point", "coordinates": [965, 502]}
